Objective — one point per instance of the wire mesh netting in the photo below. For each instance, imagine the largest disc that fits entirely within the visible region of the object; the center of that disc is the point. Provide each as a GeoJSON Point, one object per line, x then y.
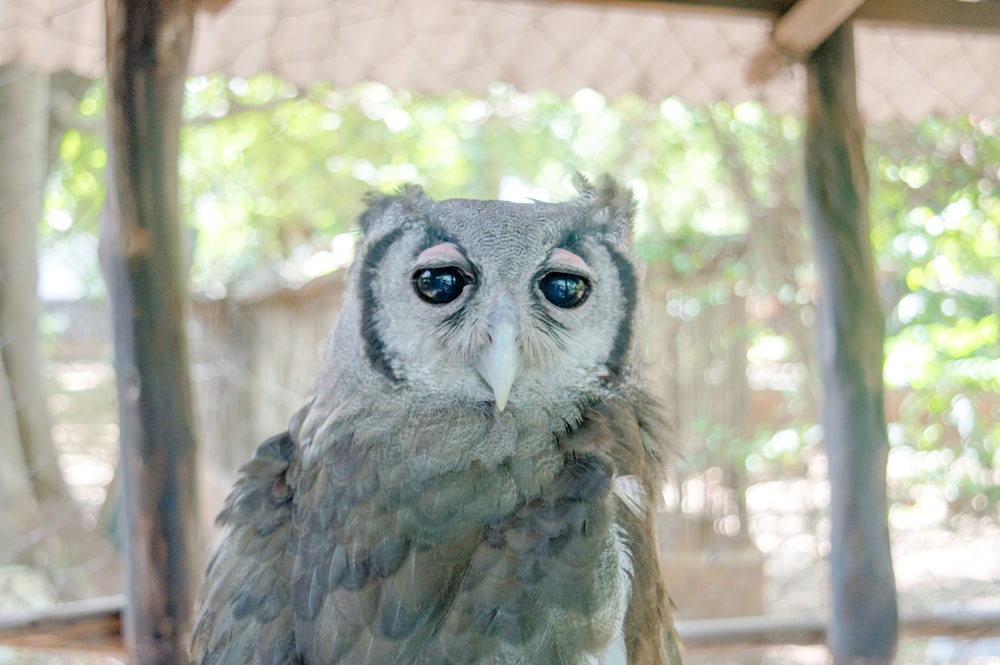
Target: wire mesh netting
{"type": "Point", "coordinates": [273, 170]}
{"type": "Point", "coordinates": [653, 50]}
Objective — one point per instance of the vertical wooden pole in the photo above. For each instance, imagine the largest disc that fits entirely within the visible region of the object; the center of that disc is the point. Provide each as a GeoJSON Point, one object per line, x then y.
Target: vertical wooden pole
{"type": "Point", "coordinates": [24, 135]}
{"type": "Point", "coordinates": [147, 49]}
{"type": "Point", "coordinates": [851, 329]}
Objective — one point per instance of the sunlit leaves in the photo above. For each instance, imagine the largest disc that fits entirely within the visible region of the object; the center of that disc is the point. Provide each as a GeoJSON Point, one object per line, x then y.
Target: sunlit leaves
{"type": "Point", "coordinates": [272, 177]}
{"type": "Point", "coordinates": [74, 199]}
{"type": "Point", "coordinates": [935, 229]}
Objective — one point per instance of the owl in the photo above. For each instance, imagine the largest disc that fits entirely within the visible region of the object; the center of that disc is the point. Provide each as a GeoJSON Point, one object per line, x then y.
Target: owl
{"type": "Point", "coordinates": [471, 480]}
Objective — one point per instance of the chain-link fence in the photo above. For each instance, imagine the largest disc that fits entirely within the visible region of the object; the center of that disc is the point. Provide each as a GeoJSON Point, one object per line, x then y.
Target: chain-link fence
{"type": "Point", "coordinates": [653, 49]}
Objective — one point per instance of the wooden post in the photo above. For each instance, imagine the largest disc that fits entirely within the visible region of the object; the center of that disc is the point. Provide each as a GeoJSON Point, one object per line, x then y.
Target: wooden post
{"type": "Point", "coordinates": [147, 49]}
{"type": "Point", "coordinates": [851, 330]}
{"type": "Point", "coordinates": [24, 133]}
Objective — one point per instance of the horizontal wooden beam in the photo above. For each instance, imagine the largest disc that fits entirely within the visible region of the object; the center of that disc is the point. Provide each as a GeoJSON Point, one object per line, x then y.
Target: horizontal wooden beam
{"type": "Point", "coordinates": [95, 625]}
{"type": "Point", "coordinates": [751, 8]}
{"type": "Point", "coordinates": [982, 16]}
{"type": "Point", "coordinates": [740, 632]}
{"type": "Point", "coordinates": [86, 625]}
{"type": "Point", "coordinates": [807, 630]}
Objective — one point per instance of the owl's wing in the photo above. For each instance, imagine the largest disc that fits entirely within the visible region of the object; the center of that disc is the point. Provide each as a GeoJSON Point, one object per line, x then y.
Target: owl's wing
{"type": "Point", "coordinates": [639, 434]}
{"type": "Point", "coordinates": [245, 616]}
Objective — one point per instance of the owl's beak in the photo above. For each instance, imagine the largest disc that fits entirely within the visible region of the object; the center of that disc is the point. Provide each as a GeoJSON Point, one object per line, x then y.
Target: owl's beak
{"type": "Point", "coordinates": [500, 363]}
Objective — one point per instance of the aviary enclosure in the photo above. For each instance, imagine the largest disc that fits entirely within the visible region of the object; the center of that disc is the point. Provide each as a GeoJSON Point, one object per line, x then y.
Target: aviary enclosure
{"type": "Point", "coordinates": [776, 325]}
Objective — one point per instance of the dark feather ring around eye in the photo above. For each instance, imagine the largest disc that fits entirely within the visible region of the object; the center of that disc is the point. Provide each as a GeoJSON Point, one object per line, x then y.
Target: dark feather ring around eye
{"type": "Point", "coordinates": [440, 286]}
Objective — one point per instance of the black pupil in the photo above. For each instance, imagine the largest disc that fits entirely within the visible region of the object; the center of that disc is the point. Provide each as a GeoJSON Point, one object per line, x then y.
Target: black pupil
{"type": "Point", "coordinates": [439, 286]}
{"type": "Point", "coordinates": [563, 289]}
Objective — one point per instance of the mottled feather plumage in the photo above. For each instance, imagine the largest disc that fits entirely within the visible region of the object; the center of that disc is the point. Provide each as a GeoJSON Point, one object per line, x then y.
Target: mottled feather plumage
{"type": "Point", "coordinates": [469, 482]}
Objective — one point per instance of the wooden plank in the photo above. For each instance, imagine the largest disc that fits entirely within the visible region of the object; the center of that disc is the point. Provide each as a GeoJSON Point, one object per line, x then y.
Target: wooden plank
{"type": "Point", "coordinates": [851, 330]}
{"type": "Point", "coordinates": [810, 22]}
{"type": "Point", "coordinates": [806, 630]}
{"type": "Point", "coordinates": [748, 8]}
{"type": "Point", "coordinates": [952, 622]}
{"type": "Point", "coordinates": [148, 42]}
{"type": "Point", "coordinates": [87, 625]}
{"type": "Point", "coordinates": [981, 16]}
{"type": "Point", "coordinates": [755, 631]}
{"type": "Point", "coordinates": [797, 33]}
{"type": "Point", "coordinates": [95, 625]}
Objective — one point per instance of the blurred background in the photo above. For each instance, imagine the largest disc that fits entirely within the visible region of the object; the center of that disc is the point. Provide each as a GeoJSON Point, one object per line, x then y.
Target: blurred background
{"type": "Point", "coordinates": [272, 178]}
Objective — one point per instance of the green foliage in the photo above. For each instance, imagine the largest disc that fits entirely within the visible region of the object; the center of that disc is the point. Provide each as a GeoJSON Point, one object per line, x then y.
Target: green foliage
{"type": "Point", "coordinates": [937, 235]}
{"type": "Point", "coordinates": [273, 176]}
{"type": "Point", "coordinates": [75, 194]}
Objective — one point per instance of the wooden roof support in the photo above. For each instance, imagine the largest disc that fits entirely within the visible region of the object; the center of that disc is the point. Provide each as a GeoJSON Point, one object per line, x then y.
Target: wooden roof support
{"type": "Point", "coordinates": [148, 42]}
{"type": "Point", "coordinates": [979, 16]}
{"type": "Point", "coordinates": [851, 330]}
{"type": "Point", "coordinates": [797, 34]}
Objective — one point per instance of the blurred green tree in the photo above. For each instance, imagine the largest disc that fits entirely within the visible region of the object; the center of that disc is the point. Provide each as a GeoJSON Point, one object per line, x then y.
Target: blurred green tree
{"type": "Point", "coordinates": [273, 176]}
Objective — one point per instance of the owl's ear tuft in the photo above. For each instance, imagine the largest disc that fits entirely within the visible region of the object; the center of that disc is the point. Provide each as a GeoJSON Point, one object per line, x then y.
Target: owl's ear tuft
{"type": "Point", "coordinates": [583, 187]}
{"type": "Point", "coordinates": [610, 205]}
{"type": "Point", "coordinates": [378, 217]}
{"type": "Point", "coordinates": [376, 205]}
{"type": "Point", "coordinates": [412, 195]}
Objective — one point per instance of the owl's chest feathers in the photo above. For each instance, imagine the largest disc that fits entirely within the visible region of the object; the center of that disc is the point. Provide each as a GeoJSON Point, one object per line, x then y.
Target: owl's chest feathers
{"type": "Point", "coordinates": [478, 548]}
{"type": "Point", "coordinates": [414, 447]}
{"type": "Point", "coordinates": [436, 477]}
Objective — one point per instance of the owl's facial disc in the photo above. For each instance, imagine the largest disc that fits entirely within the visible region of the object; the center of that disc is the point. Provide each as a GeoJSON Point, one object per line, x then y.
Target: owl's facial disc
{"type": "Point", "coordinates": [481, 325]}
{"type": "Point", "coordinates": [500, 362]}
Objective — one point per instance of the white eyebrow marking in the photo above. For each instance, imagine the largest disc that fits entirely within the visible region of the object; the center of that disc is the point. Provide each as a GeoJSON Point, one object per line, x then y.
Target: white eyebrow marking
{"type": "Point", "coordinates": [560, 256]}
{"type": "Point", "coordinates": [441, 251]}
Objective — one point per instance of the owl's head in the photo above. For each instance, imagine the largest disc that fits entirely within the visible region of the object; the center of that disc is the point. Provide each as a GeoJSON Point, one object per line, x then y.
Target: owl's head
{"type": "Point", "coordinates": [494, 303]}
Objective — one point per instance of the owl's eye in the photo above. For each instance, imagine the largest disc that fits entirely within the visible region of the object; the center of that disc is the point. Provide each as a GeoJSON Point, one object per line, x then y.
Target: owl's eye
{"type": "Point", "coordinates": [563, 289]}
{"type": "Point", "coordinates": [440, 286]}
